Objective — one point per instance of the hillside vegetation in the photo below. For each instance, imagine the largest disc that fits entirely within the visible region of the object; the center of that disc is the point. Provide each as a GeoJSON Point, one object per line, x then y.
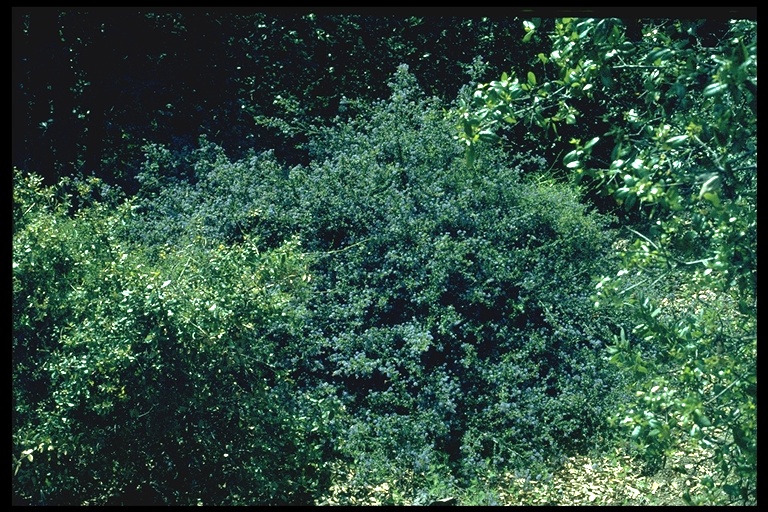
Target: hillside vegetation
{"type": "Point", "coordinates": [540, 289]}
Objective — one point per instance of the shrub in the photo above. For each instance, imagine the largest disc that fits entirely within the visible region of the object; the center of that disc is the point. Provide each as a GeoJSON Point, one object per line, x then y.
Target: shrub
{"type": "Point", "coordinates": [144, 380]}
{"type": "Point", "coordinates": [447, 329]}
{"type": "Point", "coordinates": [452, 298]}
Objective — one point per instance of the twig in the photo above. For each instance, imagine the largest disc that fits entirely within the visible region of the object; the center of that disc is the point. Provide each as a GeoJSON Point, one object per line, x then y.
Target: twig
{"type": "Point", "coordinates": [144, 414]}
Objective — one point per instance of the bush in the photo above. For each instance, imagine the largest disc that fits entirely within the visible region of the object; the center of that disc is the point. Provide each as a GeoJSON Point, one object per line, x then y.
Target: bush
{"type": "Point", "coordinates": [439, 332]}
{"type": "Point", "coordinates": [451, 300]}
{"type": "Point", "coordinates": [151, 381]}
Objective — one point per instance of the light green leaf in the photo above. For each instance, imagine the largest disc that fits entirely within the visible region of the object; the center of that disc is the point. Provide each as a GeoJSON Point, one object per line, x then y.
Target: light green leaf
{"type": "Point", "coordinates": [591, 143]}
{"type": "Point", "coordinates": [714, 89]}
{"type": "Point", "coordinates": [676, 141]}
{"type": "Point", "coordinates": [710, 186]}
{"type": "Point", "coordinates": [489, 136]}
{"type": "Point", "coordinates": [574, 164]}
{"type": "Point", "coordinates": [571, 156]}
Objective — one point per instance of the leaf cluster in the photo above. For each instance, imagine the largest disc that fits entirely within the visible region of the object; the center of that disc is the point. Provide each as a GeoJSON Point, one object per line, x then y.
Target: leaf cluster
{"type": "Point", "coordinates": [678, 147]}
{"type": "Point", "coordinates": [150, 379]}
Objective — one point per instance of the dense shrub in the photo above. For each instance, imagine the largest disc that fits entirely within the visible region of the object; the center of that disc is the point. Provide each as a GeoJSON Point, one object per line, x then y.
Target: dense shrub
{"type": "Point", "coordinates": [449, 305]}
{"type": "Point", "coordinates": [439, 331]}
{"type": "Point", "coordinates": [151, 380]}
{"type": "Point", "coordinates": [452, 297]}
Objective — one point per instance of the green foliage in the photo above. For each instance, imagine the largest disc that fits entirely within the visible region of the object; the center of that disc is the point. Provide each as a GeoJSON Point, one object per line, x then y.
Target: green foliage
{"type": "Point", "coordinates": [390, 324]}
{"type": "Point", "coordinates": [152, 380]}
{"type": "Point", "coordinates": [386, 322]}
{"type": "Point", "coordinates": [203, 194]}
{"type": "Point", "coordinates": [448, 300]}
{"type": "Point", "coordinates": [678, 145]}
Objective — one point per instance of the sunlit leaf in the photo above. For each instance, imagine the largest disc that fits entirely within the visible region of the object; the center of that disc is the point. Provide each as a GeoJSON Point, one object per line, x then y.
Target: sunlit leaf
{"type": "Point", "coordinates": [676, 141]}
{"type": "Point", "coordinates": [714, 89]}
